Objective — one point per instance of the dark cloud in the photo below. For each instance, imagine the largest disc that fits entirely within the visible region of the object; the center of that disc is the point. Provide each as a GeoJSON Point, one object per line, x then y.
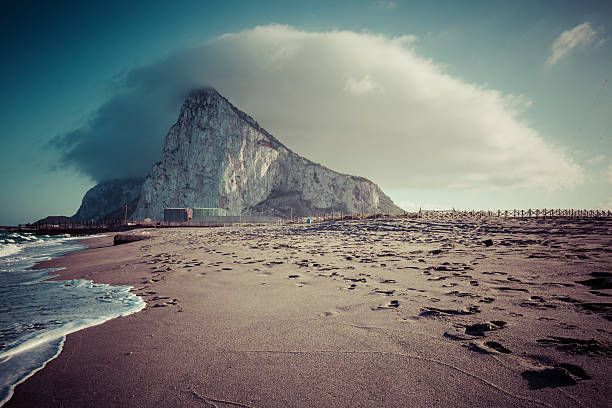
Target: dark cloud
{"type": "Point", "coordinates": [124, 137]}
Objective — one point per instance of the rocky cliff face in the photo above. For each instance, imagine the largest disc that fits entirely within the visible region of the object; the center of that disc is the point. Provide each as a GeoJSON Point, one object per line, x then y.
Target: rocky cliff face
{"type": "Point", "coordinates": [107, 197]}
{"type": "Point", "coordinates": [217, 156]}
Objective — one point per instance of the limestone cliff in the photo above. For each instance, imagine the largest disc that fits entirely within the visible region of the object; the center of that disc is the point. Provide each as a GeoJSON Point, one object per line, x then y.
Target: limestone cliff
{"type": "Point", "coordinates": [217, 156]}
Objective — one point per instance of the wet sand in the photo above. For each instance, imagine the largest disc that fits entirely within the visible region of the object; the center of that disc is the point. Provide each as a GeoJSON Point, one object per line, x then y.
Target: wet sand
{"type": "Point", "coordinates": [394, 313]}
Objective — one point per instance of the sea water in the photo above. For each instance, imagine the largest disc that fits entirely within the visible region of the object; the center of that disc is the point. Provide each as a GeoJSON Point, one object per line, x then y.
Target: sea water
{"type": "Point", "coordinates": [36, 314]}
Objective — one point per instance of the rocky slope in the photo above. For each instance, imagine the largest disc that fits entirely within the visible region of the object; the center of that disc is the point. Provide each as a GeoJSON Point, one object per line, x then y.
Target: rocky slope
{"type": "Point", "coordinates": [217, 156]}
{"type": "Point", "coordinates": [108, 197]}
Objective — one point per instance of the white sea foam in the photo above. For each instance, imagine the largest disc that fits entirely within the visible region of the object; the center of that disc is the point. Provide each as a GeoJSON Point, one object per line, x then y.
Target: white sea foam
{"type": "Point", "coordinates": [9, 249]}
{"type": "Point", "coordinates": [131, 302]}
{"type": "Point", "coordinates": [16, 372]}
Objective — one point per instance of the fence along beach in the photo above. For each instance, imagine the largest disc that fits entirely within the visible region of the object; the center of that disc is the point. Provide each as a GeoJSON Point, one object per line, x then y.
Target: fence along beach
{"type": "Point", "coordinates": [98, 227]}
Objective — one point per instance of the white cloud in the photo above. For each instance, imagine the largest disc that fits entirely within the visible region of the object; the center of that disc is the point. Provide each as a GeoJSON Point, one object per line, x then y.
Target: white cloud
{"type": "Point", "coordinates": [580, 35]}
{"type": "Point", "coordinates": [405, 40]}
{"type": "Point", "coordinates": [414, 125]}
{"type": "Point", "coordinates": [596, 159]}
{"type": "Point", "coordinates": [609, 174]}
{"type": "Point", "coordinates": [362, 86]}
{"type": "Point", "coordinates": [358, 103]}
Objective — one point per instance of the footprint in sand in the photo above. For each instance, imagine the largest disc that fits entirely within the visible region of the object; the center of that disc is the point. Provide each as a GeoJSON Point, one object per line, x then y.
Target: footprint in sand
{"type": "Point", "coordinates": [602, 309]}
{"type": "Point", "coordinates": [384, 292]}
{"type": "Point", "coordinates": [393, 304]}
{"type": "Point", "coordinates": [435, 312]}
{"type": "Point", "coordinates": [558, 376]}
{"type": "Point", "coordinates": [508, 289]}
{"type": "Point", "coordinates": [497, 347]}
{"type": "Point", "coordinates": [479, 329]}
{"type": "Point", "coordinates": [364, 280]}
{"type": "Point", "coordinates": [460, 294]}
{"type": "Point", "coordinates": [600, 281]}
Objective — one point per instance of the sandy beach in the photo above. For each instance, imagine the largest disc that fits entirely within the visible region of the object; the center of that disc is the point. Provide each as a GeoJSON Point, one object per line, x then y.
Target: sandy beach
{"type": "Point", "coordinates": [364, 313]}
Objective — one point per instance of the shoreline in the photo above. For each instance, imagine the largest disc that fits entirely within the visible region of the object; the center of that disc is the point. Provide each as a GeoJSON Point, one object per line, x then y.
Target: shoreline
{"type": "Point", "coordinates": [57, 343]}
{"type": "Point", "coordinates": [63, 260]}
{"type": "Point", "coordinates": [373, 312]}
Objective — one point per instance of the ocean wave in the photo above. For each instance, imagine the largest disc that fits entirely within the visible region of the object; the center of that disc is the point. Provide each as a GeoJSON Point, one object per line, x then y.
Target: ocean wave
{"type": "Point", "coordinates": [23, 236]}
{"type": "Point", "coordinates": [9, 249]}
{"type": "Point", "coordinates": [14, 243]}
{"type": "Point", "coordinates": [17, 372]}
{"type": "Point", "coordinates": [126, 301]}
{"type": "Point", "coordinates": [30, 352]}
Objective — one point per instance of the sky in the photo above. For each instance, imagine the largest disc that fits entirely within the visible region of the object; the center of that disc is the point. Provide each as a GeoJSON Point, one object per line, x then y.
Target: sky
{"type": "Point", "coordinates": [466, 105]}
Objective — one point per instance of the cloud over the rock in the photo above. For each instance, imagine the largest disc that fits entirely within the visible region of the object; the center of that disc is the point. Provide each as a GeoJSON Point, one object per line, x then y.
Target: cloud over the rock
{"type": "Point", "coordinates": [359, 103]}
{"type": "Point", "coordinates": [563, 45]}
